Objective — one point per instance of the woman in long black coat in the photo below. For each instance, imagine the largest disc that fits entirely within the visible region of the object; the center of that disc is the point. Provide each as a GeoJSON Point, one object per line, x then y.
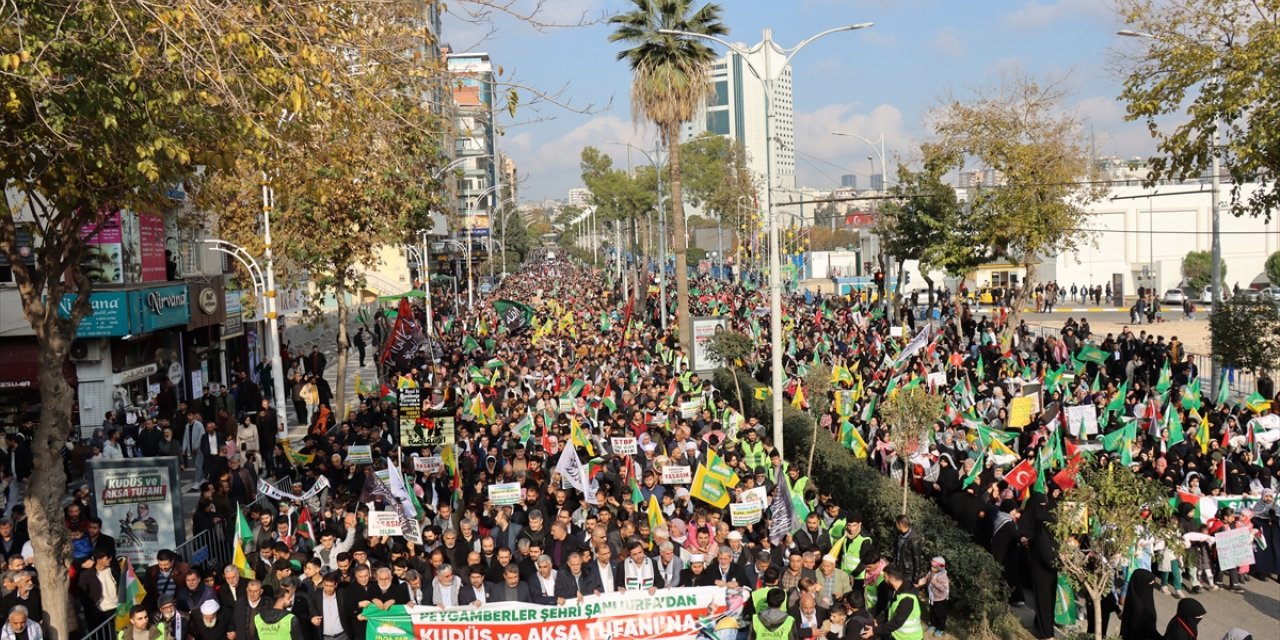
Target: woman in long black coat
{"type": "Point", "coordinates": [1138, 619]}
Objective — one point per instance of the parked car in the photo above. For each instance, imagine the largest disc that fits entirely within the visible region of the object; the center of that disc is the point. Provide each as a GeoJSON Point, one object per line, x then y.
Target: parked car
{"type": "Point", "coordinates": [1270, 293]}
{"type": "Point", "coordinates": [1206, 296]}
{"type": "Point", "coordinates": [1251, 295]}
{"type": "Point", "coordinates": [1174, 296]}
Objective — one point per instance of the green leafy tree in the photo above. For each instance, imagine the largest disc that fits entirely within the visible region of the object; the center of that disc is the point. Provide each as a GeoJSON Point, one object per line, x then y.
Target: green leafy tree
{"type": "Point", "coordinates": [1022, 131]}
{"type": "Point", "coordinates": [1272, 268]}
{"type": "Point", "coordinates": [817, 385]}
{"type": "Point", "coordinates": [1197, 268]}
{"type": "Point", "coordinates": [1210, 63]}
{"type": "Point", "coordinates": [109, 104]}
{"type": "Point", "coordinates": [731, 348]}
{"type": "Point", "coordinates": [923, 221]}
{"type": "Point", "coordinates": [1246, 334]}
{"type": "Point", "coordinates": [1099, 524]}
{"type": "Point", "coordinates": [669, 83]}
{"type": "Point", "coordinates": [909, 413]}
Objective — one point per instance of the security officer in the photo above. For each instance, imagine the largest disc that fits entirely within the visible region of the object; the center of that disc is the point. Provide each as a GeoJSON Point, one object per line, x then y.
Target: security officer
{"type": "Point", "coordinates": [753, 454]}
{"type": "Point", "coordinates": [278, 622]}
{"type": "Point", "coordinates": [773, 623]}
{"type": "Point", "coordinates": [850, 559]}
{"type": "Point", "coordinates": [903, 620]}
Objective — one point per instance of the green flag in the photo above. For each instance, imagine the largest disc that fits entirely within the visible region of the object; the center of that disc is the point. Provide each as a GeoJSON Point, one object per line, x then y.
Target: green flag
{"type": "Point", "coordinates": [976, 471]}
{"type": "Point", "coordinates": [1053, 378]}
{"type": "Point", "coordinates": [1166, 379]}
{"type": "Point", "coordinates": [469, 344]}
{"type": "Point", "coordinates": [604, 321]}
{"type": "Point", "coordinates": [1173, 423]}
{"type": "Point", "coordinates": [1191, 398]}
{"type": "Point", "coordinates": [494, 363]}
{"type": "Point", "coordinates": [1117, 403]}
{"type": "Point", "coordinates": [982, 368]}
{"type": "Point", "coordinates": [1224, 391]}
{"type": "Point", "coordinates": [1090, 353]}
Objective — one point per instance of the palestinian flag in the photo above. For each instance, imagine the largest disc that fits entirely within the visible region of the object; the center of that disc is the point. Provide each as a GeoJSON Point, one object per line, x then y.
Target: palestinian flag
{"type": "Point", "coordinates": [131, 593]}
{"type": "Point", "coordinates": [305, 528]}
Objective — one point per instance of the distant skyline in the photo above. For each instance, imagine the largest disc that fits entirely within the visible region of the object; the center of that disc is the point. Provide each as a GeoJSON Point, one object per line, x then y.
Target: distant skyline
{"type": "Point", "coordinates": [883, 79]}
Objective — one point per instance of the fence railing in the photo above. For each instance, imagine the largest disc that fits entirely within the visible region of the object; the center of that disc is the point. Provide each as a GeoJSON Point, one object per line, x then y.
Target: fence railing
{"type": "Point", "coordinates": [104, 631]}
{"type": "Point", "coordinates": [1241, 383]}
{"type": "Point", "coordinates": [211, 548]}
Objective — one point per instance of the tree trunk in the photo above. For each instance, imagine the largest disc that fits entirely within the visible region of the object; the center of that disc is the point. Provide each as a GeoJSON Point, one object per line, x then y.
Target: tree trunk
{"type": "Point", "coordinates": [671, 134]}
{"type": "Point", "coordinates": [813, 446]}
{"type": "Point", "coordinates": [340, 381]}
{"type": "Point", "coordinates": [49, 538]}
{"type": "Point", "coordinates": [738, 388]}
{"type": "Point", "coordinates": [1097, 614]}
{"type": "Point", "coordinates": [906, 483]}
{"type": "Point", "coordinates": [1028, 283]}
{"type": "Point", "coordinates": [897, 292]}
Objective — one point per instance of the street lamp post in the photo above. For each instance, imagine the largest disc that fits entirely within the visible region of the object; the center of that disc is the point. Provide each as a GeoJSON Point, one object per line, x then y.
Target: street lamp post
{"type": "Point", "coordinates": [1215, 186]}
{"type": "Point", "coordinates": [655, 160]}
{"type": "Point", "coordinates": [775, 268]}
{"type": "Point", "coordinates": [877, 146]}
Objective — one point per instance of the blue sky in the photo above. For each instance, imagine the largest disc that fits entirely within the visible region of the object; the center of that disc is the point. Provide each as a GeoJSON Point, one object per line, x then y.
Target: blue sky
{"type": "Point", "coordinates": [884, 79]}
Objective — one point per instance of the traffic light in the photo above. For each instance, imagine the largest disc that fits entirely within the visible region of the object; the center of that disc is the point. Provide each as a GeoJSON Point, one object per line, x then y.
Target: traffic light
{"type": "Point", "coordinates": [879, 276]}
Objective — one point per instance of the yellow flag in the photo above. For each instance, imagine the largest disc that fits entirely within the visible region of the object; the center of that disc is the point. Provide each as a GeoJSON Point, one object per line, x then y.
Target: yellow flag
{"type": "Point", "coordinates": [798, 401]}
{"type": "Point", "coordinates": [655, 512]}
{"type": "Point", "coordinates": [708, 489]}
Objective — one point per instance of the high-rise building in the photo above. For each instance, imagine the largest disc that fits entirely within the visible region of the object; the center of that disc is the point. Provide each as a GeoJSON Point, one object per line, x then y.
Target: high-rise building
{"type": "Point", "coordinates": [877, 182]}
{"type": "Point", "coordinates": [849, 181]}
{"type": "Point", "coordinates": [737, 110]}
{"type": "Point", "coordinates": [579, 197]}
{"type": "Point", "coordinates": [474, 136]}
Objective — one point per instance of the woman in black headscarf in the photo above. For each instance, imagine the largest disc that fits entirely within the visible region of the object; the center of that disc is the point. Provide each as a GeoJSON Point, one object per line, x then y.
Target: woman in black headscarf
{"type": "Point", "coordinates": [1138, 619]}
{"type": "Point", "coordinates": [1186, 624]}
{"type": "Point", "coordinates": [1043, 553]}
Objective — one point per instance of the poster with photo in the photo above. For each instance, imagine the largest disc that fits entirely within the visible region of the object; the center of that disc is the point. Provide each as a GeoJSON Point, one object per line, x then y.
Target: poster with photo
{"type": "Point", "coordinates": [140, 503]}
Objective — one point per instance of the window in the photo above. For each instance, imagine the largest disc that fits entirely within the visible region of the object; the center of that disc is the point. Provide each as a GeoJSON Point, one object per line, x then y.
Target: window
{"type": "Point", "coordinates": [718, 122]}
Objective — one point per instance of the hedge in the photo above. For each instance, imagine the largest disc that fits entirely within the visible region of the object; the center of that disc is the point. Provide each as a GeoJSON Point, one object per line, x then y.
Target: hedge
{"type": "Point", "coordinates": [978, 594]}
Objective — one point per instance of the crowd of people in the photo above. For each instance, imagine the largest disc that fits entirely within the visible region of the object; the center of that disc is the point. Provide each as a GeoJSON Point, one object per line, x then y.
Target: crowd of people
{"type": "Point", "coordinates": [585, 375]}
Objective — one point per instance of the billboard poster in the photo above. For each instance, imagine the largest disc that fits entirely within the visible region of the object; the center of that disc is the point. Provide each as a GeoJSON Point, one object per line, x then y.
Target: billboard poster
{"type": "Point", "coordinates": [151, 248]}
{"type": "Point", "coordinates": [103, 261]}
{"type": "Point", "coordinates": [140, 503]}
{"type": "Point", "coordinates": [703, 330]}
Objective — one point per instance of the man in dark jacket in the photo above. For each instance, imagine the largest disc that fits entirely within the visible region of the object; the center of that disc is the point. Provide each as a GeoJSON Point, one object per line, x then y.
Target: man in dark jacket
{"type": "Point", "coordinates": [247, 609]}
{"type": "Point", "coordinates": [910, 552]}
{"type": "Point", "coordinates": [512, 589]}
{"type": "Point", "coordinates": [332, 609]}
{"type": "Point", "coordinates": [266, 423]}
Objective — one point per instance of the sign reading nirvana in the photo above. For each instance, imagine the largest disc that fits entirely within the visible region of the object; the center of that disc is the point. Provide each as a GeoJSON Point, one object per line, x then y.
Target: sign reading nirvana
{"type": "Point", "coordinates": [671, 614]}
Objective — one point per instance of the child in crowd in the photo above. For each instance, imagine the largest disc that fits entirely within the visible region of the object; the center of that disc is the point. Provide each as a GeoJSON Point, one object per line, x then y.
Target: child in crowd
{"type": "Point", "coordinates": [939, 586]}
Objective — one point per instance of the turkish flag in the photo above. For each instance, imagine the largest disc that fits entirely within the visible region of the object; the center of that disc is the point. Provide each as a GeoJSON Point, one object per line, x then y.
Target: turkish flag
{"type": "Point", "coordinates": [1021, 476]}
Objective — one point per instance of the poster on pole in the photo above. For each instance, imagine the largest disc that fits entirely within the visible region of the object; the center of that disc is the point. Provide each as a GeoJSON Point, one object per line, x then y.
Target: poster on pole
{"type": "Point", "coordinates": [140, 503]}
{"type": "Point", "coordinates": [409, 407]}
{"type": "Point", "coordinates": [1235, 548]}
{"type": "Point", "coordinates": [426, 430]}
{"type": "Point", "coordinates": [703, 330]}
{"type": "Point", "coordinates": [428, 464]}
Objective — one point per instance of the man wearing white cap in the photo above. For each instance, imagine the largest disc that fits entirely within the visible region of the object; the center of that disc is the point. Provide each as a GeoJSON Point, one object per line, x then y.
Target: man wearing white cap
{"type": "Point", "coordinates": [693, 575]}
{"type": "Point", "coordinates": [209, 623]}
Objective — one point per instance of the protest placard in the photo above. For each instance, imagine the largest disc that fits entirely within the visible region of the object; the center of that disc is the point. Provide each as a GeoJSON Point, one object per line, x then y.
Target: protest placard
{"type": "Point", "coordinates": [360, 454]}
{"type": "Point", "coordinates": [383, 523]}
{"type": "Point", "coordinates": [623, 446]}
{"type": "Point", "coordinates": [745, 513]}
{"type": "Point", "coordinates": [1235, 548]}
{"type": "Point", "coordinates": [428, 464]}
{"type": "Point", "coordinates": [1082, 420]}
{"type": "Point", "coordinates": [676, 474]}
{"type": "Point", "coordinates": [504, 493]}
{"type": "Point", "coordinates": [1020, 411]}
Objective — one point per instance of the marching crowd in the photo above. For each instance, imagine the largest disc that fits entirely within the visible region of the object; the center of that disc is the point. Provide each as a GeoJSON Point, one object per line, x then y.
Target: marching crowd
{"type": "Point", "coordinates": [577, 396]}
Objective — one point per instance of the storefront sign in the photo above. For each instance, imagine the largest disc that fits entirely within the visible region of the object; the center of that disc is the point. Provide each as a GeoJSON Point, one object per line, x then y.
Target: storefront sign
{"type": "Point", "coordinates": [162, 307]}
{"type": "Point", "coordinates": [233, 323]}
{"type": "Point", "coordinates": [670, 614]}
{"type": "Point", "coordinates": [205, 303]}
{"type": "Point", "coordinates": [151, 248]}
{"type": "Point", "coordinates": [103, 261]}
{"type": "Point", "coordinates": [109, 316]}
{"type": "Point", "coordinates": [140, 503]}
{"type": "Point", "coordinates": [136, 373]}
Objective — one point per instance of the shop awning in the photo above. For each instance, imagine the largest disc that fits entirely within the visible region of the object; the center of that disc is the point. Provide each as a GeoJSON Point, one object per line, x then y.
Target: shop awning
{"type": "Point", "coordinates": [21, 370]}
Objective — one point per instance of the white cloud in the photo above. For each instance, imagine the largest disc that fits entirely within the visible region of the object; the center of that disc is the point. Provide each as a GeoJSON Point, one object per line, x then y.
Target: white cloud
{"type": "Point", "coordinates": [1037, 15]}
{"type": "Point", "coordinates": [824, 156]}
{"type": "Point", "coordinates": [948, 42]}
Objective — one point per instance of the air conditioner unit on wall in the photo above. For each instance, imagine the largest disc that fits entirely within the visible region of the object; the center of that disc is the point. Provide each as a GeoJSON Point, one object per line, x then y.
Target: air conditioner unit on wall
{"type": "Point", "coordinates": [86, 351]}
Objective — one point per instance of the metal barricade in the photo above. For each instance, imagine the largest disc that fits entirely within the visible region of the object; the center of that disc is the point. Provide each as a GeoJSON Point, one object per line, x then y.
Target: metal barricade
{"type": "Point", "coordinates": [209, 549]}
{"type": "Point", "coordinates": [104, 631]}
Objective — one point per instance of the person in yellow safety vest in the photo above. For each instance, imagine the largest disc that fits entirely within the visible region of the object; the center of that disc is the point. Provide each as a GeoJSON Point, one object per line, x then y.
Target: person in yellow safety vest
{"type": "Point", "coordinates": [851, 551]}
{"type": "Point", "coordinates": [777, 467]}
{"type": "Point", "coordinates": [278, 622]}
{"type": "Point", "coordinates": [769, 583]}
{"type": "Point", "coordinates": [903, 620]}
{"type": "Point", "coordinates": [753, 450]}
{"type": "Point", "coordinates": [139, 626]}
{"type": "Point", "coordinates": [773, 623]}
{"type": "Point", "coordinates": [796, 482]}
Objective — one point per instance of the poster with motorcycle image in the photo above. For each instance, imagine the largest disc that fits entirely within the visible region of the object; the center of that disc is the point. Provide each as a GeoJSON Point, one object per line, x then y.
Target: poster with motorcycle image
{"type": "Point", "coordinates": [140, 503]}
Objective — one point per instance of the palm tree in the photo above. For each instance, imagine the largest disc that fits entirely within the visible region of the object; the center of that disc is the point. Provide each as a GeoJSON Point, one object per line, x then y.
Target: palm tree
{"type": "Point", "coordinates": [670, 82]}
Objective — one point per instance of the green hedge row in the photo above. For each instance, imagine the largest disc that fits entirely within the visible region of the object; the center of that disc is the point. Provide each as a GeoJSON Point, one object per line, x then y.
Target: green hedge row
{"type": "Point", "coordinates": [978, 593]}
